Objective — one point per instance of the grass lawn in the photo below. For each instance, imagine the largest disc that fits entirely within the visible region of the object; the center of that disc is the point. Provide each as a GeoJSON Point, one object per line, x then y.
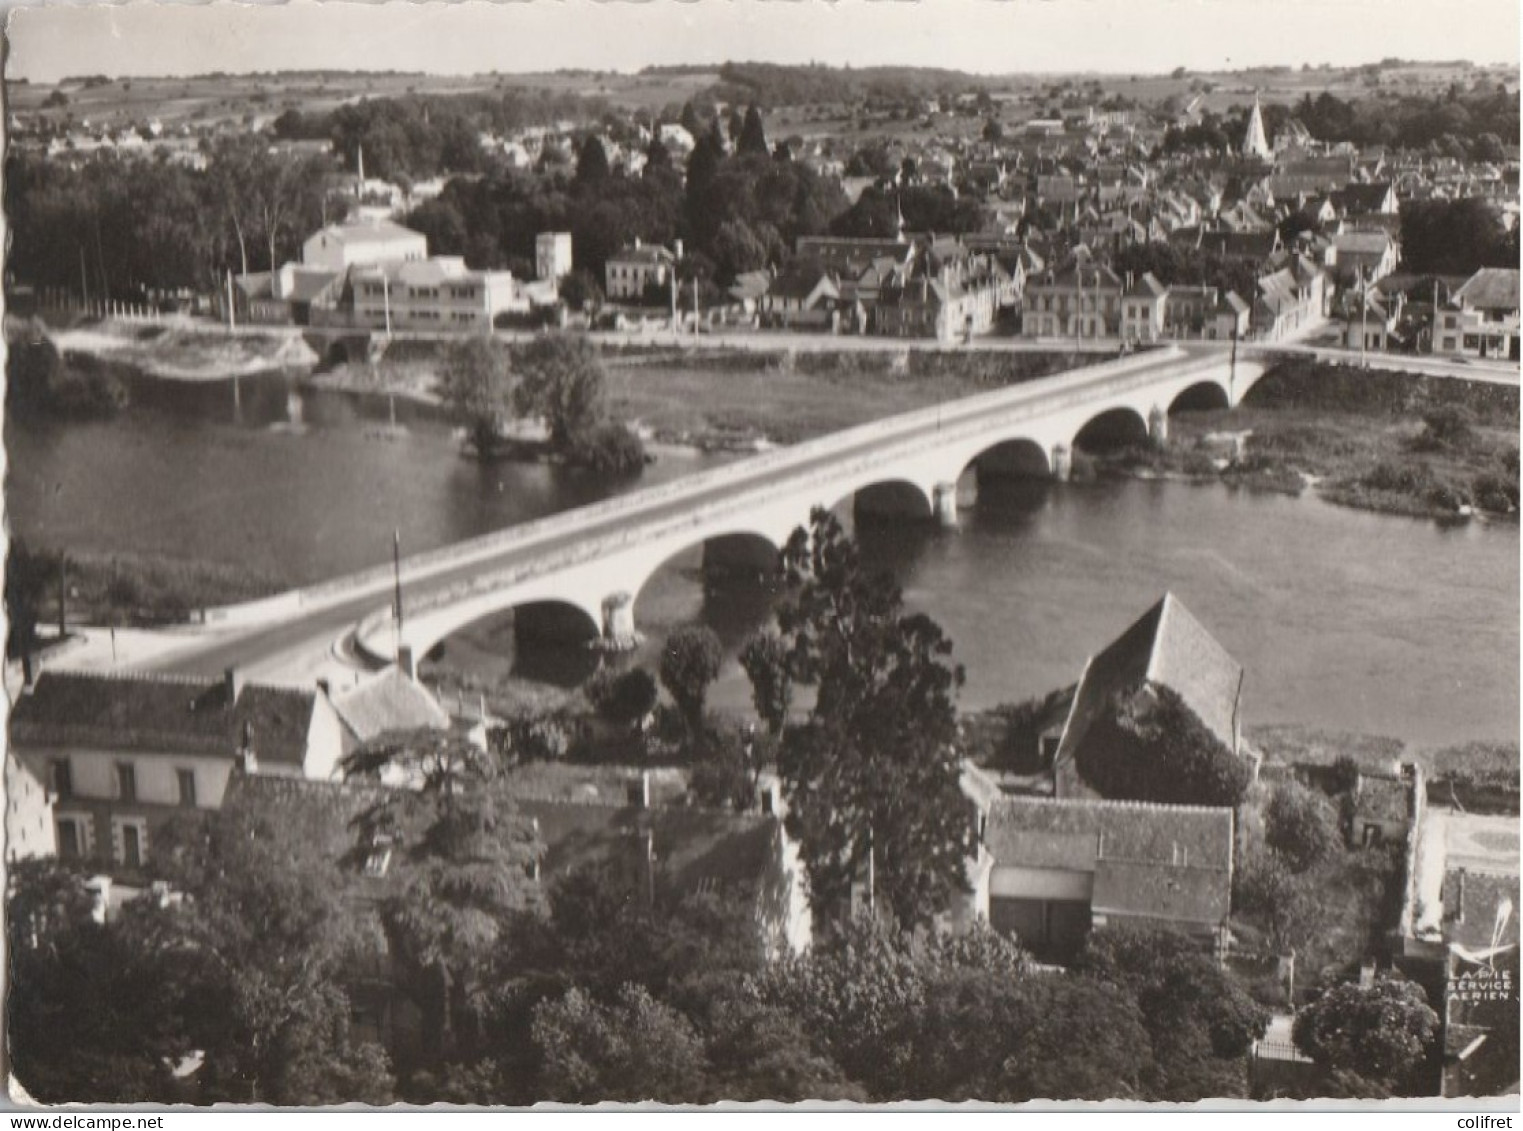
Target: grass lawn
{"type": "Point", "coordinates": [703, 399]}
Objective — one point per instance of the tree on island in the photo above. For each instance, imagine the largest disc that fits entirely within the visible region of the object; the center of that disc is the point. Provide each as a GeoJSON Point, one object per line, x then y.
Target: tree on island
{"type": "Point", "coordinates": [872, 775]}
{"type": "Point", "coordinates": [560, 379]}
{"type": "Point", "coordinates": [476, 386]}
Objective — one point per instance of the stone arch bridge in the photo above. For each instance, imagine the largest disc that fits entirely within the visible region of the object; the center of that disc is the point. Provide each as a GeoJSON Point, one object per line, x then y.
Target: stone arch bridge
{"type": "Point", "coordinates": [582, 571]}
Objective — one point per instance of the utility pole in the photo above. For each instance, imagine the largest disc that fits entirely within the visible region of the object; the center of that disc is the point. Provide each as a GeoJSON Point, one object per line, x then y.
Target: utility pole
{"type": "Point", "coordinates": [673, 289]}
{"type": "Point", "coordinates": [63, 594]}
{"type": "Point", "coordinates": [1364, 305]}
{"type": "Point", "coordinates": [84, 282]}
{"type": "Point", "coordinates": [386, 300]}
{"type": "Point", "coordinates": [232, 317]}
{"type": "Point", "coordinates": [1232, 372]}
{"type": "Point", "coordinates": [396, 569]}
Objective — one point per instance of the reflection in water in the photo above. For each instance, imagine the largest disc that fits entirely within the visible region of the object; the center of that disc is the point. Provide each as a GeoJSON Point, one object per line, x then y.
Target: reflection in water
{"type": "Point", "coordinates": [1342, 619]}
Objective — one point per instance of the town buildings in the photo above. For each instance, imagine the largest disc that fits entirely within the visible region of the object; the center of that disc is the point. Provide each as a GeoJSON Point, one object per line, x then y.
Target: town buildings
{"type": "Point", "coordinates": [378, 275]}
{"type": "Point", "coordinates": [1481, 317]}
{"type": "Point", "coordinates": [1050, 871]}
{"type": "Point", "coordinates": [121, 754]}
{"type": "Point", "coordinates": [633, 272]}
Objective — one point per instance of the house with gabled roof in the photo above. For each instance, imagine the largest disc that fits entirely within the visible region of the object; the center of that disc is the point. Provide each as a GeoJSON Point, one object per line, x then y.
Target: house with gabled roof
{"type": "Point", "coordinates": [386, 701]}
{"type": "Point", "coordinates": [1481, 319]}
{"type": "Point", "coordinates": [804, 295]}
{"type": "Point", "coordinates": [1050, 871]}
{"type": "Point", "coordinates": [121, 753]}
{"type": "Point", "coordinates": [1166, 647]}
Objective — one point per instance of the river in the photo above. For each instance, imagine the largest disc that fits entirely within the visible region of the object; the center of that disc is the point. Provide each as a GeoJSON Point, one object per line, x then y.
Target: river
{"type": "Point", "coordinates": [1343, 620]}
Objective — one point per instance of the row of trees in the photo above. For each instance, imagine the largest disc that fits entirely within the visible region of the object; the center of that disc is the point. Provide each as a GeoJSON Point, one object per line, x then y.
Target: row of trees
{"type": "Point", "coordinates": [120, 227]}
{"type": "Point", "coordinates": [740, 208]}
{"type": "Point", "coordinates": [586, 996]}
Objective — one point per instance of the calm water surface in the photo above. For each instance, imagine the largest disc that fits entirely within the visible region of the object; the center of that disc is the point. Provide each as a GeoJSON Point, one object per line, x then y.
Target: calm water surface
{"type": "Point", "coordinates": [1344, 620]}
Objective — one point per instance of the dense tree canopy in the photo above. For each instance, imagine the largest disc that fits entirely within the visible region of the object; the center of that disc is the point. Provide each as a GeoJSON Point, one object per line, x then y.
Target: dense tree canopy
{"type": "Point", "coordinates": [1379, 1032]}
{"type": "Point", "coordinates": [872, 775]}
{"type": "Point", "coordinates": [1444, 237]}
{"type": "Point", "coordinates": [1149, 746]}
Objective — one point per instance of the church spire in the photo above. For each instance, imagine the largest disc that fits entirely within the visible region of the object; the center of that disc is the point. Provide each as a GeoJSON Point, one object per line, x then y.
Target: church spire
{"type": "Point", "coordinates": [1255, 144]}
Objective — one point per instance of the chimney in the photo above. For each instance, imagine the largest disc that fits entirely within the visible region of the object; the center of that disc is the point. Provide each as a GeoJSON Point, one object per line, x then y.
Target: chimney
{"type": "Point", "coordinates": [677, 246]}
{"type": "Point", "coordinates": [407, 662]}
{"type": "Point", "coordinates": [232, 683]}
{"type": "Point", "coordinates": [637, 243]}
{"type": "Point", "coordinates": [248, 760]}
{"type": "Point", "coordinates": [639, 791]}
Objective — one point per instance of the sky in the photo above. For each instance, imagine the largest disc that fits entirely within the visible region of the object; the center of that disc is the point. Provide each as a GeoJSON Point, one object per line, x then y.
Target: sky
{"type": "Point", "coordinates": [983, 36]}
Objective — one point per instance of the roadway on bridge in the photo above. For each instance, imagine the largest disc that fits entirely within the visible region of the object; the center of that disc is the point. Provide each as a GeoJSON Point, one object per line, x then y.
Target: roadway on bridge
{"type": "Point", "coordinates": [303, 641]}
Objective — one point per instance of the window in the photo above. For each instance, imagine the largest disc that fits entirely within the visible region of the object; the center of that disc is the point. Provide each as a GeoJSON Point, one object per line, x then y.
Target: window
{"type": "Point", "coordinates": [129, 837]}
{"type": "Point", "coordinates": [73, 836]}
{"type": "Point", "coordinates": [187, 783]}
{"type": "Point", "coordinates": [126, 782]}
{"type": "Point", "coordinates": [61, 777]}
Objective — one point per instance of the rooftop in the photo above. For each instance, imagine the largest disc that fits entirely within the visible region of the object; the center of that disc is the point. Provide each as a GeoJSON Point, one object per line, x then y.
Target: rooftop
{"type": "Point", "coordinates": [152, 713]}
{"type": "Point", "coordinates": [1159, 861]}
{"type": "Point", "coordinates": [1490, 288]}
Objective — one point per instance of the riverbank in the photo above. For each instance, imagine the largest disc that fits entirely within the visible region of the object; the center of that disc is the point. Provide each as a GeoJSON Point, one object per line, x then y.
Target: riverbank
{"type": "Point", "coordinates": [1375, 440]}
{"type": "Point", "coordinates": [733, 399]}
{"type": "Point", "coordinates": [138, 590]}
{"type": "Point", "coordinates": [739, 398]}
{"type": "Point", "coordinates": [184, 352]}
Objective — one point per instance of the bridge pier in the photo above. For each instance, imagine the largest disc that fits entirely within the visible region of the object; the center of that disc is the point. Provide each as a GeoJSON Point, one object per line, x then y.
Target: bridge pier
{"type": "Point", "coordinates": [945, 504]}
{"type": "Point", "coordinates": [1062, 462]}
{"type": "Point", "coordinates": [619, 633]}
{"type": "Point", "coordinates": [1158, 426]}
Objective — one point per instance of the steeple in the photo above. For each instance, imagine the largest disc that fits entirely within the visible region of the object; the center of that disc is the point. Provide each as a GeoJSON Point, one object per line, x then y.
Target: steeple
{"type": "Point", "coordinates": [1254, 142]}
{"type": "Point", "coordinates": [359, 186]}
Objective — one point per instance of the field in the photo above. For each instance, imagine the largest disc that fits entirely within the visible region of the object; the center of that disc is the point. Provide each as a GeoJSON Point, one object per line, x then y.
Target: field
{"type": "Point", "coordinates": [255, 99]}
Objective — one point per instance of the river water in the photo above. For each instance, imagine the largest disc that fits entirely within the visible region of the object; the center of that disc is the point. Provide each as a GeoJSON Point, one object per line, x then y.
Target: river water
{"type": "Point", "coordinates": [1343, 620]}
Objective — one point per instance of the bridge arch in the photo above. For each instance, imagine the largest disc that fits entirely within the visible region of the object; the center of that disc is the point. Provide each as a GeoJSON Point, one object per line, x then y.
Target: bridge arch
{"type": "Point", "coordinates": [1118, 427]}
{"type": "Point", "coordinates": [544, 641]}
{"type": "Point", "coordinates": [1016, 458]}
{"type": "Point", "coordinates": [889, 498]}
{"type": "Point", "coordinates": [731, 555]}
{"type": "Point", "coordinates": [1203, 396]}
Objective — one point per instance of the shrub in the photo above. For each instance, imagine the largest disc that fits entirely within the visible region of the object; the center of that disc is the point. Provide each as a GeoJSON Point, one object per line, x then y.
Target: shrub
{"type": "Point", "coordinates": [1152, 747]}
{"type": "Point", "coordinates": [1494, 493]}
{"type": "Point", "coordinates": [1448, 426]}
{"type": "Point", "coordinates": [1343, 776]}
{"type": "Point", "coordinates": [610, 449]}
{"type": "Point", "coordinates": [1301, 826]}
{"type": "Point", "coordinates": [1379, 1032]}
{"type": "Point", "coordinates": [631, 696]}
{"type": "Point", "coordinates": [531, 737]}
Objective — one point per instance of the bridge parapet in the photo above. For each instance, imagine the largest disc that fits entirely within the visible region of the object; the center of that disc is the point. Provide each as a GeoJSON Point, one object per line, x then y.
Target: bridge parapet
{"type": "Point", "coordinates": [568, 521]}
{"type": "Point", "coordinates": [813, 484]}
